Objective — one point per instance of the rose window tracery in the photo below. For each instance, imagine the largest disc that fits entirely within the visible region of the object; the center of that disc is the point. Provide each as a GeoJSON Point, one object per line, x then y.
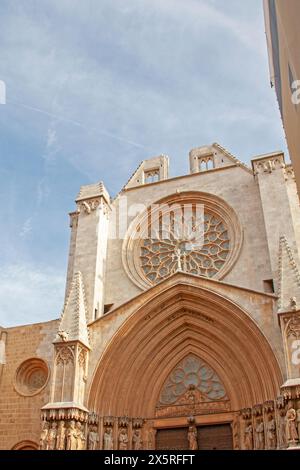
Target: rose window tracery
{"type": "Point", "coordinates": [192, 374]}
{"type": "Point", "coordinates": [200, 248]}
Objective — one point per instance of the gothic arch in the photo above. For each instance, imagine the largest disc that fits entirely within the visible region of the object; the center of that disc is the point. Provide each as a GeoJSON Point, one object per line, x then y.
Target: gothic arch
{"type": "Point", "coordinates": [183, 319]}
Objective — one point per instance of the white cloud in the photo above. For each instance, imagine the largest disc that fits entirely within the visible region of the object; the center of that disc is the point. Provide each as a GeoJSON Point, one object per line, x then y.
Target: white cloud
{"type": "Point", "coordinates": [29, 294]}
{"type": "Point", "coordinates": [27, 227]}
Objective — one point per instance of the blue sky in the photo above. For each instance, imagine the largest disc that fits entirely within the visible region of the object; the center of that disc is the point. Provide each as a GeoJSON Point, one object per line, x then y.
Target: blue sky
{"type": "Point", "coordinates": [96, 86]}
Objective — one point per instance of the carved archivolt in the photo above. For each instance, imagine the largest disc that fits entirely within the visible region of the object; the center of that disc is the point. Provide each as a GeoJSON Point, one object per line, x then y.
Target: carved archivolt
{"type": "Point", "coordinates": [191, 232]}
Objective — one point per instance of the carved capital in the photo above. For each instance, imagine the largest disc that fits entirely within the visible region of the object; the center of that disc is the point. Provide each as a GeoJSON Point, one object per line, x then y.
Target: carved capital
{"type": "Point", "coordinates": [124, 421]}
{"type": "Point", "coordinates": [268, 164]}
{"type": "Point", "coordinates": [137, 423]}
{"type": "Point", "coordinates": [257, 410]}
{"type": "Point", "coordinates": [269, 406]}
{"type": "Point", "coordinates": [108, 421]}
{"type": "Point", "coordinates": [246, 413]}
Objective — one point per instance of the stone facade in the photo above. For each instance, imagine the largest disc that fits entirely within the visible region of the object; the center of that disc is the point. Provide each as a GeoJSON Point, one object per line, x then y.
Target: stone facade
{"type": "Point", "coordinates": [161, 336]}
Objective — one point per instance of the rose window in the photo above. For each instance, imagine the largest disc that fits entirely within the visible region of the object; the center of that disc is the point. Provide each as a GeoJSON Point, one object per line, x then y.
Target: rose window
{"type": "Point", "coordinates": [200, 248]}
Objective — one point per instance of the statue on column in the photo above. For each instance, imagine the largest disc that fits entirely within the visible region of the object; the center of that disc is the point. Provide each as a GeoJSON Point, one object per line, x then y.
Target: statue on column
{"type": "Point", "coordinates": [61, 436]}
{"type": "Point", "coordinates": [80, 437]}
{"type": "Point", "coordinates": [291, 430]}
{"type": "Point", "coordinates": [93, 438]}
{"type": "Point", "coordinates": [248, 437]}
{"type": "Point", "coordinates": [72, 437]}
{"type": "Point", "coordinates": [108, 439]}
{"type": "Point", "coordinates": [137, 439]}
{"type": "Point", "coordinates": [259, 434]}
{"type": "Point", "coordinates": [123, 439]}
{"type": "Point", "coordinates": [151, 439]}
{"type": "Point", "coordinates": [192, 438]}
{"type": "Point", "coordinates": [44, 436]}
{"type": "Point", "coordinates": [52, 436]}
{"type": "Point", "coordinates": [281, 430]}
{"type": "Point", "coordinates": [298, 421]}
{"type": "Point", "coordinates": [271, 433]}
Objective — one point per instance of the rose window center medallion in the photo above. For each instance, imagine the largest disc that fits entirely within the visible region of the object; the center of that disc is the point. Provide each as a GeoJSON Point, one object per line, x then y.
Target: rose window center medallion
{"type": "Point", "coordinates": [200, 250]}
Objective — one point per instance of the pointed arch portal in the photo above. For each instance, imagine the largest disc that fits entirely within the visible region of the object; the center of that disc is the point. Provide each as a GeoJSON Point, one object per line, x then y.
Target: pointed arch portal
{"type": "Point", "coordinates": [185, 321]}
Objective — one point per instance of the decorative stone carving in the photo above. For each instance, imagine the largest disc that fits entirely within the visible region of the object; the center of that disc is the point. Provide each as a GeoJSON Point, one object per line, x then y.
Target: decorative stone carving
{"type": "Point", "coordinates": [80, 437]}
{"type": "Point", "coordinates": [61, 436]}
{"type": "Point", "coordinates": [123, 421]}
{"type": "Point", "coordinates": [166, 253]}
{"type": "Point", "coordinates": [192, 438]}
{"type": "Point", "coordinates": [66, 414]}
{"type": "Point", "coordinates": [236, 433]}
{"type": "Point", "coordinates": [151, 438]}
{"type": "Point", "coordinates": [193, 379]}
{"type": "Point", "coordinates": [248, 436]}
{"type": "Point", "coordinates": [137, 423]}
{"type": "Point", "coordinates": [291, 428]}
{"type": "Point", "coordinates": [52, 436]}
{"type": "Point", "coordinates": [108, 443]}
{"type": "Point", "coordinates": [123, 439]}
{"type": "Point", "coordinates": [93, 438]}
{"type": "Point", "coordinates": [298, 421]}
{"type": "Point", "coordinates": [89, 205]}
{"type": "Point", "coordinates": [193, 387]}
{"type": "Point", "coordinates": [44, 436]}
{"type": "Point", "coordinates": [259, 435]}
{"type": "Point", "coordinates": [93, 418]}
{"type": "Point", "coordinates": [137, 439]}
{"type": "Point", "coordinates": [72, 437]}
{"type": "Point", "coordinates": [268, 164]}
{"type": "Point", "coordinates": [246, 413]}
{"type": "Point", "coordinates": [63, 335]}
{"type": "Point", "coordinates": [163, 240]}
{"type": "Point", "coordinates": [282, 443]}
{"type": "Point", "coordinates": [271, 433]}
{"type": "Point", "coordinates": [65, 355]}
{"type": "Point", "coordinates": [31, 377]}
{"type": "Point", "coordinates": [108, 421]}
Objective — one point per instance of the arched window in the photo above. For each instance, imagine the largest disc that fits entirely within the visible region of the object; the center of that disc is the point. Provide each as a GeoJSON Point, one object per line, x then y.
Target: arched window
{"type": "Point", "coordinates": [25, 445]}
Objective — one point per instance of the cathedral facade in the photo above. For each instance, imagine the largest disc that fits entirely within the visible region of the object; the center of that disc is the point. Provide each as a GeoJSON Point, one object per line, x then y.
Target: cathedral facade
{"type": "Point", "coordinates": [181, 322]}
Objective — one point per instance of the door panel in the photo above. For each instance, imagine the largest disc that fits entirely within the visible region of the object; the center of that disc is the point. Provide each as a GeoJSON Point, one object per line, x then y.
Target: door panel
{"type": "Point", "coordinates": [216, 437]}
{"type": "Point", "coordinates": [172, 439]}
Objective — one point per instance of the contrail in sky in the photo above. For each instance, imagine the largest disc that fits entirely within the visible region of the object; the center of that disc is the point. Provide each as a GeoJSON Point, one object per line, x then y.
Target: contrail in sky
{"type": "Point", "coordinates": [79, 124]}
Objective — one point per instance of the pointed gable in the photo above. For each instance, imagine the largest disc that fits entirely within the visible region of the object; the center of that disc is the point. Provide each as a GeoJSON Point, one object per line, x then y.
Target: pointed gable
{"type": "Point", "coordinates": [289, 278]}
{"type": "Point", "coordinates": [73, 324]}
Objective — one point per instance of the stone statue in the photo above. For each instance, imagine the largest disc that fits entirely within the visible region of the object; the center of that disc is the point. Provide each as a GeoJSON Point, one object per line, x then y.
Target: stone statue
{"type": "Point", "coordinates": [61, 436]}
{"type": "Point", "coordinates": [298, 421]}
{"type": "Point", "coordinates": [44, 436]}
{"type": "Point", "coordinates": [259, 435]}
{"type": "Point", "coordinates": [248, 437]}
{"type": "Point", "coordinates": [108, 439]}
{"type": "Point", "coordinates": [137, 439]}
{"type": "Point", "coordinates": [93, 438]}
{"type": "Point", "coordinates": [293, 303]}
{"type": "Point", "coordinates": [123, 439]}
{"type": "Point", "coordinates": [72, 437]}
{"type": "Point", "coordinates": [63, 335]}
{"type": "Point", "coordinates": [52, 436]}
{"type": "Point", "coordinates": [281, 430]}
{"type": "Point", "coordinates": [193, 438]}
{"type": "Point", "coordinates": [80, 437]}
{"type": "Point", "coordinates": [151, 439]}
{"type": "Point", "coordinates": [291, 430]}
{"type": "Point", "coordinates": [271, 433]}
{"type": "Point", "coordinates": [177, 258]}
